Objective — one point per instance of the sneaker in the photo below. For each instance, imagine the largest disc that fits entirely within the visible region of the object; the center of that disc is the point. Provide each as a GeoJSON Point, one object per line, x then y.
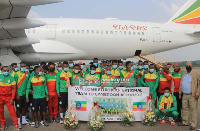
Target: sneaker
{"type": "Point", "coordinates": [25, 122]}
{"type": "Point", "coordinates": [57, 120]}
{"type": "Point", "coordinates": [2, 128]}
{"type": "Point", "coordinates": [51, 120]}
{"type": "Point", "coordinates": [16, 128]}
{"type": "Point", "coordinates": [41, 122]}
{"type": "Point", "coordinates": [162, 122]}
{"type": "Point", "coordinates": [20, 126]}
{"type": "Point", "coordinates": [32, 123]}
{"type": "Point", "coordinates": [61, 120]}
{"type": "Point", "coordinates": [45, 123]}
{"type": "Point", "coordinates": [173, 123]}
{"type": "Point", "coordinates": [36, 124]}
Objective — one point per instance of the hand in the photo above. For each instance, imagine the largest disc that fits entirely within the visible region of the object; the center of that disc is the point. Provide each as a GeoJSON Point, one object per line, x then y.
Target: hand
{"type": "Point", "coordinates": [12, 102]}
{"type": "Point", "coordinates": [134, 85]}
{"type": "Point", "coordinates": [197, 97]}
{"type": "Point", "coordinates": [114, 87]}
{"type": "Point", "coordinates": [27, 100]}
{"type": "Point", "coordinates": [150, 95]}
{"type": "Point", "coordinates": [179, 96]}
{"type": "Point", "coordinates": [73, 84]}
{"type": "Point", "coordinates": [31, 92]}
{"type": "Point", "coordinates": [147, 86]}
{"type": "Point", "coordinates": [47, 97]}
{"type": "Point", "coordinates": [59, 95]}
{"type": "Point", "coordinates": [164, 111]}
{"type": "Point", "coordinates": [102, 86]}
{"type": "Point", "coordinates": [17, 97]}
{"type": "Point", "coordinates": [140, 74]}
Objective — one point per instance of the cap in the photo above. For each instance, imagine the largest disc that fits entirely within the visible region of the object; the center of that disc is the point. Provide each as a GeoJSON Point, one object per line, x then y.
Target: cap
{"type": "Point", "coordinates": [80, 63]}
{"type": "Point", "coordinates": [104, 61]}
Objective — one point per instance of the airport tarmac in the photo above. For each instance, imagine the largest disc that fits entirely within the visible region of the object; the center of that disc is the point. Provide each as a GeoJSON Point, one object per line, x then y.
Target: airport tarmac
{"type": "Point", "coordinates": [109, 126]}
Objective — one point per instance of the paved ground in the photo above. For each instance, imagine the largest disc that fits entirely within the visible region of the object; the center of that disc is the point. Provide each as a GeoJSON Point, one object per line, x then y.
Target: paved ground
{"type": "Point", "coordinates": [109, 126]}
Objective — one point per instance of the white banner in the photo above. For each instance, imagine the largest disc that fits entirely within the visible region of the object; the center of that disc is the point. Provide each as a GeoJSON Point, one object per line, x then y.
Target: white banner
{"type": "Point", "coordinates": [111, 101]}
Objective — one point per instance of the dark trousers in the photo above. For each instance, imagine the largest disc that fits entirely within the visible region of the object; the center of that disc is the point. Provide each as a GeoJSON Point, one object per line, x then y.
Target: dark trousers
{"type": "Point", "coordinates": [179, 104]}
{"type": "Point", "coordinates": [159, 94]}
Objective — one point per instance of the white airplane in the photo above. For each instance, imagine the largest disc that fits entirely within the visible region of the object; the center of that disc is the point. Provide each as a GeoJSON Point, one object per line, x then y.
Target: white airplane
{"type": "Point", "coordinates": [36, 40]}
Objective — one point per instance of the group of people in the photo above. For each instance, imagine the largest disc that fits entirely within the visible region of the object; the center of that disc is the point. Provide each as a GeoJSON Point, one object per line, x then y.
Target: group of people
{"type": "Point", "coordinates": [46, 87]}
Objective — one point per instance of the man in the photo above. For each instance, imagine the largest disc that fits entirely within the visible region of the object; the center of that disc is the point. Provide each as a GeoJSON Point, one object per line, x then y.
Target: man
{"type": "Point", "coordinates": [41, 65]}
{"type": "Point", "coordinates": [151, 80]}
{"type": "Point", "coordinates": [14, 68]}
{"type": "Point", "coordinates": [92, 78]}
{"type": "Point", "coordinates": [53, 97]}
{"type": "Point", "coordinates": [63, 80]}
{"type": "Point", "coordinates": [7, 96]}
{"type": "Point", "coordinates": [78, 75]}
{"type": "Point", "coordinates": [146, 66]}
{"type": "Point", "coordinates": [82, 65]}
{"type": "Point", "coordinates": [104, 66]}
{"type": "Point", "coordinates": [59, 67]}
{"type": "Point", "coordinates": [129, 76]}
{"type": "Point", "coordinates": [40, 95]}
{"type": "Point", "coordinates": [71, 66]}
{"type": "Point", "coordinates": [108, 80]}
{"type": "Point", "coordinates": [45, 69]}
{"type": "Point", "coordinates": [21, 77]}
{"type": "Point", "coordinates": [177, 79]}
{"type": "Point", "coordinates": [139, 73]}
{"type": "Point", "coordinates": [165, 80]}
{"type": "Point", "coordinates": [167, 106]}
{"type": "Point", "coordinates": [170, 67]}
{"type": "Point", "coordinates": [190, 88]}
{"type": "Point", "coordinates": [99, 70]}
{"type": "Point", "coordinates": [157, 69]}
{"type": "Point", "coordinates": [115, 71]}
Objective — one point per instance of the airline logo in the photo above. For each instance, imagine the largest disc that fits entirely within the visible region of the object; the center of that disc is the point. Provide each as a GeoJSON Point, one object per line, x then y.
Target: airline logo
{"type": "Point", "coordinates": [190, 16]}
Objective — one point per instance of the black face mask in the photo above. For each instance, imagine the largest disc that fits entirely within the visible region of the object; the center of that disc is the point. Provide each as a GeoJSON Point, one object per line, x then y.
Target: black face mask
{"type": "Point", "coordinates": [52, 69]}
{"type": "Point", "coordinates": [177, 70]}
{"type": "Point", "coordinates": [189, 68]}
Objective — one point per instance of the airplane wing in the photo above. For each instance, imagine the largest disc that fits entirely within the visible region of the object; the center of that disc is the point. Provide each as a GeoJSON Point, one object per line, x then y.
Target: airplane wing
{"type": "Point", "coordinates": [14, 21]}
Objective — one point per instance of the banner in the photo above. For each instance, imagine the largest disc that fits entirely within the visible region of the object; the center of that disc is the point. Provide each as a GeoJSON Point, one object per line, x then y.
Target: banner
{"type": "Point", "coordinates": [111, 101]}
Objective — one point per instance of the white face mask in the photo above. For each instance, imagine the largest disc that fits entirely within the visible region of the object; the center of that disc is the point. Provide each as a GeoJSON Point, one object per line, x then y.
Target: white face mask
{"type": "Point", "coordinates": [60, 68]}
{"type": "Point", "coordinates": [76, 71]}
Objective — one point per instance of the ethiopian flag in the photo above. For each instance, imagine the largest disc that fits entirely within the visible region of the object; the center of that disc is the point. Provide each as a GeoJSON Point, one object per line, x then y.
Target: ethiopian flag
{"type": "Point", "coordinates": [139, 106]}
{"type": "Point", "coordinates": [81, 105]}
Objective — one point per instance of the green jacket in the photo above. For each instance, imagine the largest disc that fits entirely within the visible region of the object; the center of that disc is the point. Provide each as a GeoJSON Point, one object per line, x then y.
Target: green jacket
{"type": "Point", "coordinates": [174, 105]}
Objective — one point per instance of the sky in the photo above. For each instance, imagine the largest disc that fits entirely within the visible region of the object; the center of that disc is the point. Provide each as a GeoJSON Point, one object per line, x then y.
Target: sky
{"type": "Point", "coordinates": [159, 11]}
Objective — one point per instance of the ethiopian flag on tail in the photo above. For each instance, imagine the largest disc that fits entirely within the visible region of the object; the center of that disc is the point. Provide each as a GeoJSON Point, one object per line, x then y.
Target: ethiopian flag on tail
{"type": "Point", "coordinates": [81, 105]}
{"type": "Point", "coordinates": [139, 106]}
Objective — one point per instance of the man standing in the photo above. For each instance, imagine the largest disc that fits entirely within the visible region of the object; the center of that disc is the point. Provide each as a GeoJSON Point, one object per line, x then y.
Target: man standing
{"type": "Point", "coordinates": [165, 80]}
{"type": "Point", "coordinates": [177, 79]}
{"type": "Point", "coordinates": [82, 65]}
{"type": "Point", "coordinates": [190, 88]}
{"type": "Point", "coordinates": [21, 78]}
{"type": "Point", "coordinates": [151, 80]}
{"type": "Point", "coordinates": [78, 75]}
{"type": "Point", "coordinates": [108, 80]}
{"type": "Point", "coordinates": [14, 68]}
{"type": "Point", "coordinates": [7, 96]}
{"type": "Point", "coordinates": [139, 73]}
{"type": "Point", "coordinates": [99, 70]}
{"type": "Point", "coordinates": [63, 80]}
{"type": "Point", "coordinates": [146, 66]}
{"type": "Point", "coordinates": [53, 97]}
{"type": "Point", "coordinates": [167, 106]}
{"type": "Point", "coordinates": [104, 66]}
{"type": "Point", "coordinates": [40, 94]}
{"type": "Point", "coordinates": [59, 68]}
{"type": "Point", "coordinates": [71, 66]}
{"type": "Point", "coordinates": [157, 69]}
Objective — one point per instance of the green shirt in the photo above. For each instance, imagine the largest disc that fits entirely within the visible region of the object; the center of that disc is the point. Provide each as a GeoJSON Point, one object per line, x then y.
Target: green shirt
{"type": "Point", "coordinates": [109, 80]}
{"type": "Point", "coordinates": [77, 79]}
{"type": "Point", "coordinates": [173, 107]}
{"type": "Point", "coordinates": [39, 87]}
{"type": "Point", "coordinates": [94, 80]}
{"type": "Point", "coordinates": [139, 78]}
{"type": "Point", "coordinates": [22, 80]}
{"type": "Point", "coordinates": [129, 78]}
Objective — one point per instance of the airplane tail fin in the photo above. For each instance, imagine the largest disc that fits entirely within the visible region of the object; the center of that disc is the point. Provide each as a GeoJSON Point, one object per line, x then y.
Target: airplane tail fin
{"type": "Point", "coordinates": [189, 13]}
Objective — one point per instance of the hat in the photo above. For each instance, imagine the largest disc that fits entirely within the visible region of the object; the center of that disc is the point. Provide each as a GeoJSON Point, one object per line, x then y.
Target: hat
{"type": "Point", "coordinates": [104, 61]}
{"type": "Point", "coordinates": [80, 63]}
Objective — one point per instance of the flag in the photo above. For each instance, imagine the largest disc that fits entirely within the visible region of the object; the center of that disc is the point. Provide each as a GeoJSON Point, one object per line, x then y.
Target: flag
{"type": "Point", "coordinates": [81, 105]}
{"type": "Point", "coordinates": [139, 106]}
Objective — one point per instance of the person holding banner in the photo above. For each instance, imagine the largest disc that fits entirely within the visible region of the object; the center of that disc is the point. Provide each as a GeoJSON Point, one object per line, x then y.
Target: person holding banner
{"type": "Point", "coordinates": [92, 78]}
{"type": "Point", "coordinates": [151, 80]}
{"type": "Point", "coordinates": [167, 106]}
{"type": "Point", "coordinates": [98, 69]}
{"type": "Point", "coordinates": [53, 97]}
{"type": "Point", "coordinates": [139, 73]}
{"type": "Point", "coordinates": [63, 80]}
{"type": "Point", "coordinates": [21, 77]}
{"type": "Point", "coordinates": [116, 72]}
{"type": "Point", "coordinates": [84, 72]}
{"type": "Point", "coordinates": [108, 80]}
{"type": "Point", "coordinates": [78, 75]}
{"type": "Point", "coordinates": [129, 76]}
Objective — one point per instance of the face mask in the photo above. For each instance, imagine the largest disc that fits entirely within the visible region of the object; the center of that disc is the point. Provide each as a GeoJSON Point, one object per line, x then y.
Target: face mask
{"type": "Point", "coordinates": [151, 70]}
{"type": "Point", "coordinates": [120, 67]}
{"type": "Point", "coordinates": [76, 71]}
{"type": "Point", "coordinates": [140, 67]}
{"type": "Point", "coordinates": [92, 72]}
{"type": "Point", "coordinates": [66, 69]}
{"type": "Point", "coordinates": [71, 65]}
{"type": "Point", "coordinates": [131, 68]}
{"type": "Point", "coordinates": [146, 66]}
{"type": "Point", "coordinates": [60, 68]}
{"type": "Point", "coordinates": [52, 69]}
{"type": "Point", "coordinates": [96, 64]}
{"type": "Point", "coordinates": [16, 69]}
{"type": "Point", "coordinates": [23, 69]}
{"type": "Point", "coordinates": [108, 72]}
{"type": "Point", "coordinates": [40, 73]}
{"type": "Point", "coordinates": [82, 67]}
{"type": "Point", "coordinates": [114, 66]}
{"type": "Point", "coordinates": [5, 73]}
{"type": "Point", "coordinates": [189, 68]}
{"type": "Point", "coordinates": [166, 94]}
{"type": "Point", "coordinates": [27, 70]}
{"type": "Point", "coordinates": [104, 67]}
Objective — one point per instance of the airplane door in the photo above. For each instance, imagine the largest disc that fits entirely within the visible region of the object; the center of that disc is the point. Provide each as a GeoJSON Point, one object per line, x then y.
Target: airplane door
{"type": "Point", "coordinates": [156, 34]}
{"type": "Point", "coordinates": [51, 32]}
